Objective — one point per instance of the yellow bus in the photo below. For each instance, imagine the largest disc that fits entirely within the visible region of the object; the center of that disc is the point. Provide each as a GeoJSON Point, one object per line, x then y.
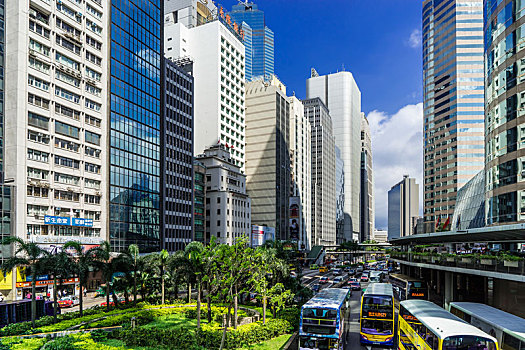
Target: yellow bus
{"type": "Point", "coordinates": [377, 315]}
{"type": "Point", "coordinates": [422, 325]}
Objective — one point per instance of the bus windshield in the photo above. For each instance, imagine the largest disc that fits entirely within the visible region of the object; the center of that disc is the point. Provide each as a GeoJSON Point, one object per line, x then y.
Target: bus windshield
{"type": "Point", "coordinates": [377, 302]}
{"type": "Point", "coordinates": [319, 314]}
{"type": "Point", "coordinates": [468, 342]}
{"type": "Point", "coordinates": [376, 327]}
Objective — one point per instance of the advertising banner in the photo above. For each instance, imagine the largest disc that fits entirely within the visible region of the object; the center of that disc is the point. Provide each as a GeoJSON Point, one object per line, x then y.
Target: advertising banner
{"type": "Point", "coordinates": [295, 218]}
{"type": "Point", "coordinates": [261, 234]}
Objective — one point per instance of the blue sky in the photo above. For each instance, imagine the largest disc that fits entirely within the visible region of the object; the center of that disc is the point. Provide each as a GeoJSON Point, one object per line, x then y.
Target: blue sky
{"type": "Point", "coordinates": [371, 38]}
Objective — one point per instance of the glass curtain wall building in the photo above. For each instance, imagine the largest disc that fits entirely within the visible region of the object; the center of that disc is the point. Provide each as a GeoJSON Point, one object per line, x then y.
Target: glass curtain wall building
{"type": "Point", "coordinates": [136, 110]}
{"type": "Point", "coordinates": [453, 102]}
{"type": "Point", "coordinates": [504, 111]}
{"type": "Point", "coordinates": [258, 40]}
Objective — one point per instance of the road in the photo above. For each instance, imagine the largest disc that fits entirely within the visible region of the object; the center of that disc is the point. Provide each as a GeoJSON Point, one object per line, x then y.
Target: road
{"type": "Point", "coordinates": [89, 301]}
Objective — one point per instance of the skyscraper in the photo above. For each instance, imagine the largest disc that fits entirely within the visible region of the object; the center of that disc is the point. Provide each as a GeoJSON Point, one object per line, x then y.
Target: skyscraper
{"type": "Point", "coordinates": [258, 39]}
{"type": "Point", "coordinates": [453, 102]}
{"type": "Point", "coordinates": [268, 154]}
{"type": "Point", "coordinates": [367, 183]}
{"type": "Point", "coordinates": [339, 92]}
{"type": "Point", "coordinates": [323, 173]}
{"type": "Point", "coordinates": [340, 198]}
{"type": "Point", "coordinates": [403, 206]}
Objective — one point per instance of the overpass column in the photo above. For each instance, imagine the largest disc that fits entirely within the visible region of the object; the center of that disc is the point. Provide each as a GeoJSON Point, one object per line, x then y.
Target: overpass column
{"type": "Point", "coordinates": [448, 288]}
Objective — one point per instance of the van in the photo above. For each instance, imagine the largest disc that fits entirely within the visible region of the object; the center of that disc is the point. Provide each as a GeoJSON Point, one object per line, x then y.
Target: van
{"type": "Point", "coordinates": [323, 269]}
{"type": "Point", "coordinates": [336, 272]}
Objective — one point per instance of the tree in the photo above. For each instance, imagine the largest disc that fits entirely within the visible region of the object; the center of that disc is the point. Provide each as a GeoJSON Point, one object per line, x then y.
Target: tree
{"type": "Point", "coordinates": [30, 255]}
{"type": "Point", "coordinates": [133, 254]}
{"type": "Point", "coordinates": [109, 266]}
{"type": "Point", "coordinates": [196, 267]}
{"type": "Point", "coordinates": [163, 259]}
{"type": "Point", "coordinates": [82, 262]}
{"type": "Point", "coordinates": [59, 266]}
{"type": "Point", "coordinates": [279, 297]}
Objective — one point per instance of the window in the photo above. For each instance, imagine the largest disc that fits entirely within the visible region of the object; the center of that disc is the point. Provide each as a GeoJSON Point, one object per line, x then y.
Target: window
{"type": "Point", "coordinates": [38, 83]}
{"type": "Point", "coordinates": [34, 191]}
{"type": "Point", "coordinates": [39, 16]}
{"type": "Point", "coordinates": [67, 162]}
{"type": "Point", "coordinates": [91, 199]}
{"type": "Point", "coordinates": [65, 129]}
{"type": "Point", "coordinates": [95, 28]}
{"type": "Point", "coordinates": [66, 27]}
{"type": "Point", "coordinates": [67, 179]}
{"type": "Point", "coordinates": [37, 155]}
{"type": "Point", "coordinates": [39, 65]}
{"type": "Point", "coordinates": [38, 137]}
{"type": "Point", "coordinates": [36, 46]}
{"type": "Point", "coordinates": [36, 210]}
{"type": "Point", "coordinates": [89, 183]}
{"type": "Point", "coordinates": [93, 58]}
{"type": "Point", "coordinates": [93, 43]}
{"type": "Point", "coordinates": [93, 74]}
{"type": "Point", "coordinates": [38, 121]}
{"type": "Point", "coordinates": [77, 16]}
{"type": "Point", "coordinates": [67, 145]}
{"type": "Point", "coordinates": [38, 101]}
{"type": "Point", "coordinates": [67, 196]}
{"type": "Point", "coordinates": [92, 152]}
{"type": "Point", "coordinates": [66, 61]}
{"type": "Point", "coordinates": [66, 94]}
{"type": "Point", "coordinates": [67, 44]}
{"type": "Point", "coordinates": [66, 111]}
{"type": "Point", "coordinates": [92, 168]}
{"type": "Point", "coordinates": [92, 138]}
{"type": "Point", "coordinates": [93, 90]}
{"type": "Point", "coordinates": [93, 105]}
{"type": "Point", "coordinates": [92, 121]}
{"type": "Point", "coordinates": [37, 174]}
{"type": "Point", "coordinates": [39, 29]}
{"type": "Point", "coordinates": [93, 11]}
{"type": "Point", "coordinates": [93, 215]}
{"type": "Point", "coordinates": [67, 78]}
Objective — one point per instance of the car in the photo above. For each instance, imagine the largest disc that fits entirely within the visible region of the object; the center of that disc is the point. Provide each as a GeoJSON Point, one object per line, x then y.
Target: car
{"type": "Point", "coordinates": [323, 269]}
{"type": "Point", "coordinates": [293, 274]}
{"type": "Point", "coordinates": [338, 279]}
{"type": "Point", "coordinates": [355, 285]}
{"type": "Point", "coordinates": [316, 287]}
{"type": "Point", "coordinates": [351, 272]}
{"type": "Point", "coordinates": [353, 279]}
{"type": "Point", "coordinates": [336, 272]}
{"type": "Point", "coordinates": [68, 301]}
{"type": "Point", "coordinates": [360, 269]}
{"type": "Point", "coordinates": [364, 278]}
{"type": "Point", "coordinates": [314, 267]}
{"type": "Point", "coordinates": [323, 280]}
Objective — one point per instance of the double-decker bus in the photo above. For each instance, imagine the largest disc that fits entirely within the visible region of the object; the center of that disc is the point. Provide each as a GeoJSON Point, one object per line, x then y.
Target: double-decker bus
{"type": "Point", "coordinates": [377, 315]}
{"type": "Point", "coordinates": [406, 287]}
{"type": "Point", "coordinates": [507, 328]}
{"type": "Point", "coordinates": [422, 325]}
{"type": "Point", "coordinates": [376, 276]}
{"type": "Point", "coordinates": [20, 311]}
{"type": "Point", "coordinates": [321, 325]}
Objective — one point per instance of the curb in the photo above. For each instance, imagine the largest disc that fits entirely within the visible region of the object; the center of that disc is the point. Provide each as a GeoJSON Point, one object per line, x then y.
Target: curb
{"type": "Point", "coordinates": [290, 341]}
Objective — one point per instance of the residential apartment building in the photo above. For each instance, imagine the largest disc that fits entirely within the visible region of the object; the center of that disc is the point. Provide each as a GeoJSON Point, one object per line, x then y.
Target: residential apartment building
{"type": "Point", "coordinates": [301, 174]}
{"type": "Point", "coordinates": [341, 95]}
{"type": "Point", "coordinates": [177, 156]}
{"type": "Point", "coordinates": [403, 206]}
{"type": "Point", "coordinates": [367, 183]}
{"type": "Point", "coordinates": [504, 112]}
{"type": "Point", "coordinates": [218, 71]}
{"type": "Point", "coordinates": [258, 40]}
{"type": "Point", "coordinates": [323, 173]}
{"type": "Point", "coordinates": [228, 207]}
{"type": "Point", "coordinates": [453, 102]}
{"type": "Point", "coordinates": [268, 154]}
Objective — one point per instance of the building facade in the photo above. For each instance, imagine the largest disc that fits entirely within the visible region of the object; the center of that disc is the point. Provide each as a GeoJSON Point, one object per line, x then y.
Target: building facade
{"type": "Point", "coordinates": [218, 71]}
{"type": "Point", "coordinates": [403, 206]}
{"type": "Point", "coordinates": [367, 183]}
{"type": "Point", "coordinates": [323, 173]}
{"type": "Point", "coordinates": [301, 173]}
{"type": "Point", "coordinates": [340, 93]}
{"type": "Point", "coordinates": [504, 113]}
{"type": "Point", "coordinates": [199, 203]}
{"type": "Point", "coordinates": [258, 39]}
{"type": "Point", "coordinates": [228, 207]}
{"type": "Point", "coordinates": [191, 13]}
{"type": "Point", "coordinates": [177, 156]}
{"type": "Point", "coordinates": [268, 154]}
{"type": "Point", "coordinates": [453, 102]}
{"type": "Point", "coordinates": [340, 198]}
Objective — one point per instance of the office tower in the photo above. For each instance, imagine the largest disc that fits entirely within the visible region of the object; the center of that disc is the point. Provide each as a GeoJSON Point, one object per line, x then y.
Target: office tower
{"type": "Point", "coordinates": [380, 236]}
{"type": "Point", "coordinates": [56, 137]}
{"type": "Point", "coordinates": [470, 205]}
{"type": "Point", "coordinates": [177, 156]}
{"type": "Point", "coordinates": [340, 198]}
{"type": "Point", "coordinates": [339, 92]}
{"type": "Point", "coordinates": [191, 13]}
{"type": "Point", "coordinates": [268, 154]}
{"type": "Point", "coordinates": [323, 173]}
{"type": "Point", "coordinates": [453, 102]}
{"type": "Point", "coordinates": [218, 72]}
{"type": "Point", "coordinates": [137, 104]}
{"type": "Point", "coordinates": [505, 102]}
{"type": "Point", "coordinates": [258, 39]}
{"type": "Point", "coordinates": [403, 205]}
{"type": "Point", "coordinates": [367, 183]}
{"type": "Point", "coordinates": [199, 203]}
{"type": "Point", "coordinates": [228, 207]}
{"type": "Point", "coordinates": [301, 174]}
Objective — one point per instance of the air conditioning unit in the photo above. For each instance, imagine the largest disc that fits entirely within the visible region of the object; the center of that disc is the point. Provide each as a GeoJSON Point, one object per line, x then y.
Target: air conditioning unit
{"type": "Point", "coordinates": [32, 52]}
{"type": "Point", "coordinates": [79, 14]}
{"type": "Point", "coordinates": [98, 193]}
{"type": "Point", "coordinates": [69, 189]}
{"type": "Point", "coordinates": [37, 216]}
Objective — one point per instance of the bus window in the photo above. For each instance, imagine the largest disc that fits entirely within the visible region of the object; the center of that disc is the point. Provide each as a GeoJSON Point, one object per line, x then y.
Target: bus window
{"type": "Point", "coordinates": [510, 343]}
{"type": "Point", "coordinates": [468, 342]}
{"type": "Point", "coordinates": [460, 314]}
{"type": "Point", "coordinates": [376, 327]}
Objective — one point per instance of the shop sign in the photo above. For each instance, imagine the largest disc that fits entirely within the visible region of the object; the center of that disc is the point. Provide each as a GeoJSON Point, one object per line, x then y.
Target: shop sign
{"type": "Point", "coordinates": [29, 278]}
{"type": "Point", "coordinates": [67, 221]}
{"type": "Point", "coordinates": [6, 282]}
{"type": "Point", "coordinates": [45, 283]}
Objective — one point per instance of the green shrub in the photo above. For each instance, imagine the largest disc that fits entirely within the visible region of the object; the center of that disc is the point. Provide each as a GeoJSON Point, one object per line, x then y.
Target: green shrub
{"type": "Point", "coordinates": [62, 343]}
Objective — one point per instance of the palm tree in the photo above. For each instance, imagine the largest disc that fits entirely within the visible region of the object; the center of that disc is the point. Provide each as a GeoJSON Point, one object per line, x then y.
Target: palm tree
{"type": "Point", "coordinates": [163, 257]}
{"type": "Point", "coordinates": [133, 254]}
{"type": "Point", "coordinates": [195, 256]}
{"type": "Point", "coordinates": [59, 266]}
{"type": "Point", "coordinates": [82, 263]}
{"type": "Point", "coordinates": [30, 255]}
{"type": "Point", "coordinates": [108, 267]}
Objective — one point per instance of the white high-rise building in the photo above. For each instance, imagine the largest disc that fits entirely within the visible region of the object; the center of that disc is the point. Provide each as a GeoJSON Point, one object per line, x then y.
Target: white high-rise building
{"type": "Point", "coordinates": [339, 92]}
{"type": "Point", "coordinates": [218, 70]}
{"type": "Point", "coordinates": [367, 183]}
{"type": "Point", "coordinates": [56, 118]}
{"type": "Point", "coordinates": [301, 171]}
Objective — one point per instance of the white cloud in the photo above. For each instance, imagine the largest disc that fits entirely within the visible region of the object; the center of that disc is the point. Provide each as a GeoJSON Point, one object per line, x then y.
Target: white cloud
{"type": "Point", "coordinates": [397, 149]}
{"type": "Point", "coordinates": [415, 38]}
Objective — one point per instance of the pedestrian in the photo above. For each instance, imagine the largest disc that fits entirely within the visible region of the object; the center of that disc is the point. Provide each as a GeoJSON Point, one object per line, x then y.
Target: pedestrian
{"type": "Point", "coordinates": [85, 292]}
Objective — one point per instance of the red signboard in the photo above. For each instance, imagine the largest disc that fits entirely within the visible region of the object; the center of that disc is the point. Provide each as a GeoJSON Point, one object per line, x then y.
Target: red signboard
{"type": "Point", "coordinates": [45, 283]}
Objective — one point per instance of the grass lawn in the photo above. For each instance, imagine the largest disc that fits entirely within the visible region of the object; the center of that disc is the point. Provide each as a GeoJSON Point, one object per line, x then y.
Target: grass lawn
{"type": "Point", "coordinates": [272, 344]}
{"type": "Point", "coordinates": [173, 321]}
